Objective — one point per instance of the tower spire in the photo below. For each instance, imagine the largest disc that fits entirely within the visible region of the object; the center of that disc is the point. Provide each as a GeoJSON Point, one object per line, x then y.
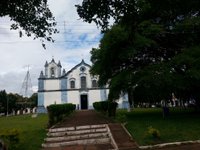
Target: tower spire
{"type": "Point", "coordinates": [26, 89]}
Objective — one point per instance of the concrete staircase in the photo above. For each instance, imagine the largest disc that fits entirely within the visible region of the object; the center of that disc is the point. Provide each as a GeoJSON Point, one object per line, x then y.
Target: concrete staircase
{"type": "Point", "coordinates": [78, 135]}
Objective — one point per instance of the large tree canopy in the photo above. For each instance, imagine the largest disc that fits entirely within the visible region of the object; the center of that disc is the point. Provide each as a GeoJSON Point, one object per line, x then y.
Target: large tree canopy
{"type": "Point", "coordinates": [32, 16]}
{"type": "Point", "coordinates": [147, 34]}
{"type": "Point", "coordinates": [185, 68]}
{"type": "Point", "coordinates": [132, 12]}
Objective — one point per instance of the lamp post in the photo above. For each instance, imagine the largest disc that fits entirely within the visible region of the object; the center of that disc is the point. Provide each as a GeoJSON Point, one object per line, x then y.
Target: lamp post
{"type": "Point", "coordinates": [7, 105]}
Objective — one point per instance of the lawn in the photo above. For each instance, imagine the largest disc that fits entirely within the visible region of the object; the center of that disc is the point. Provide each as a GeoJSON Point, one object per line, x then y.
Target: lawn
{"type": "Point", "coordinates": [32, 130]}
{"type": "Point", "coordinates": [180, 125]}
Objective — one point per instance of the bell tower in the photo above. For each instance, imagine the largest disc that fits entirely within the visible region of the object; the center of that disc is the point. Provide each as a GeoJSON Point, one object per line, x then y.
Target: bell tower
{"type": "Point", "coordinates": [53, 69]}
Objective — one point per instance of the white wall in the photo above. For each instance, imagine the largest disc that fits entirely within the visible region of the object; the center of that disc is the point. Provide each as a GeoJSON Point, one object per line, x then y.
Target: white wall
{"type": "Point", "coordinates": [52, 98]}
{"type": "Point", "coordinates": [76, 73]}
{"type": "Point", "coordinates": [53, 84]}
{"type": "Point", "coordinates": [73, 97]}
{"type": "Point", "coordinates": [93, 96]}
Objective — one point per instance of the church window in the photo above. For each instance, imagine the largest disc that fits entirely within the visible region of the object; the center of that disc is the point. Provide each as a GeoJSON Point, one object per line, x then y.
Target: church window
{"type": "Point", "coordinates": [52, 72]}
{"type": "Point", "coordinates": [83, 82]}
{"type": "Point", "coordinates": [94, 83]}
{"type": "Point", "coordinates": [82, 69]}
{"type": "Point", "coordinates": [72, 84]}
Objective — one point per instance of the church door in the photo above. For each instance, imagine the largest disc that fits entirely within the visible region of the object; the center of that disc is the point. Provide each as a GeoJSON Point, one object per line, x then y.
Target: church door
{"type": "Point", "coordinates": [84, 102]}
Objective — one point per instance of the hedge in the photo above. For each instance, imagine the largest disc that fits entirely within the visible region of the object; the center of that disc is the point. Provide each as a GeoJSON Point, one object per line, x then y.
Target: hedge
{"type": "Point", "coordinates": [106, 107]}
{"type": "Point", "coordinates": [57, 112]}
{"type": "Point", "coordinates": [101, 106]}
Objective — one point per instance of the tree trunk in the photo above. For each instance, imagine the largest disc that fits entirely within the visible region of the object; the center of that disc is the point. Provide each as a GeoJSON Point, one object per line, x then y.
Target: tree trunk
{"type": "Point", "coordinates": [165, 112]}
{"type": "Point", "coordinates": [112, 106]}
{"type": "Point", "coordinates": [130, 98]}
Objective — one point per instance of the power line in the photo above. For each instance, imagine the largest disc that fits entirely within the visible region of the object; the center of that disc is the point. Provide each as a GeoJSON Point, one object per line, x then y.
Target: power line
{"type": "Point", "coordinates": [67, 41]}
{"type": "Point", "coordinates": [67, 32]}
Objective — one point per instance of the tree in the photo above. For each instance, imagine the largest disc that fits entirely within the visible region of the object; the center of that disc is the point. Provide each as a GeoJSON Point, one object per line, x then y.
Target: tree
{"type": "Point", "coordinates": [12, 99]}
{"type": "Point", "coordinates": [132, 12]}
{"type": "Point", "coordinates": [185, 68]}
{"type": "Point", "coordinates": [33, 100]}
{"type": "Point", "coordinates": [32, 16]}
{"type": "Point", "coordinates": [113, 54]}
{"type": "Point", "coordinates": [3, 102]}
{"type": "Point", "coordinates": [146, 33]}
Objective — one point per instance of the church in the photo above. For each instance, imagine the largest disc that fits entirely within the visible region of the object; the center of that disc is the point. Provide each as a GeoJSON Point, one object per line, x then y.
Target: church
{"type": "Point", "coordinates": [77, 86]}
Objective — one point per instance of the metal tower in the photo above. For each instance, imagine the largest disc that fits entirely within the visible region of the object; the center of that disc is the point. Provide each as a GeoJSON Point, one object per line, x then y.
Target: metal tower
{"type": "Point", "coordinates": [26, 89]}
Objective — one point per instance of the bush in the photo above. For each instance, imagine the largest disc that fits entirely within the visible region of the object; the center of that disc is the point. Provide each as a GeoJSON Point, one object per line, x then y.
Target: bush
{"type": "Point", "coordinates": [10, 139]}
{"type": "Point", "coordinates": [153, 132]}
{"type": "Point", "coordinates": [57, 112]}
{"type": "Point", "coordinates": [106, 107]}
{"type": "Point", "coordinates": [101, 106]}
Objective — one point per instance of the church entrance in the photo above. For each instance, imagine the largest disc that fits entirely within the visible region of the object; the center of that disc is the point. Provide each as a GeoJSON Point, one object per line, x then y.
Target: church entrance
{"type": "Point", "coordinates": [84, 102]}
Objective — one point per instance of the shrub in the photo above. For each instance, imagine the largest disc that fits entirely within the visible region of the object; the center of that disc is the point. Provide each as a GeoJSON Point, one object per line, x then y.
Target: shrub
{"type": "Point", "coordinates": [97, 106]}
{"type": "Point", "coordinates": [57, 112]}
{"type": "Point", "coordinates": [10, 138]}
{"type": "Point", "coordinates": [106, 107]}
{"type": "Point", "coordinates": [155, 133]}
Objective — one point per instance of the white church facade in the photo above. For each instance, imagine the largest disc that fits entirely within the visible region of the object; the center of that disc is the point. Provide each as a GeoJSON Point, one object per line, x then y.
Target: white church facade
{"type": "Point", "coordinates": [77, 86]}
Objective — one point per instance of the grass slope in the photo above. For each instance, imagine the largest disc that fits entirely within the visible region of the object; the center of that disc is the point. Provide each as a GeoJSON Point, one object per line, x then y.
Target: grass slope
{"type": "Point", "coordinates": [180, 125]}
{"type": "Point", "coordinates": [32, 130]}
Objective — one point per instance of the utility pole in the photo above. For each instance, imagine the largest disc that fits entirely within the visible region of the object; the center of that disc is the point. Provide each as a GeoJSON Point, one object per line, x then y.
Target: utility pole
{"type": "Point", "coordinates": [7, 105]}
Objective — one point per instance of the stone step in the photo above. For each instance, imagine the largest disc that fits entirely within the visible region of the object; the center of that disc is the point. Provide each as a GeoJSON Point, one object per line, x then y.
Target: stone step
{"type": "Point", "coordinates": [76, 137]}
{"type": "Point", "coordinates": [78, 142]}
{"type": "Point", "coordinates": [77, 132]}
{"type": "Point", "coordinates": [77, 128]}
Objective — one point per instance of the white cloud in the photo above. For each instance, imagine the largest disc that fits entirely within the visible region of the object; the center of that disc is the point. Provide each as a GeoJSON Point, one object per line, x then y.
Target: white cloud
{"type": "Point", "coordinates": [72, 44]}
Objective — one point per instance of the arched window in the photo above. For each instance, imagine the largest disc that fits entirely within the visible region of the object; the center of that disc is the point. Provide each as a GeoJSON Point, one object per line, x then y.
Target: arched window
{"type": "Point", "coordinates": [94, 83]}
{"type": "Point", "coordinates": [72, 84]}
{"type": "Point", "coordinates": [52, 72]}
{"type": "Point", "coordinates": [83, 82]}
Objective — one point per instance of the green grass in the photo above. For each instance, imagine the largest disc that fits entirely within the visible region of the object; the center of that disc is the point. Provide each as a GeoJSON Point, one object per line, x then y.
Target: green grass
{"type": "Point", "coordinates": [32, 130]}
{"type": "Point", "coordinates": [180, 125]}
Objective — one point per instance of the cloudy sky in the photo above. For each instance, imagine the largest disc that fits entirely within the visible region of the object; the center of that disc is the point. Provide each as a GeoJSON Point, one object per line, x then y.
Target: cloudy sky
{"type": "Point", "coordinates": [73, 44]}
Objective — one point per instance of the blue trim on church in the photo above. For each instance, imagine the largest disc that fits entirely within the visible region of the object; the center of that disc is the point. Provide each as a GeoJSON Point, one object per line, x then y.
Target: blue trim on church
{"type": "Point", "coordinates": [40, 85]}
{"type": "Point", "coordinates": [103, 94]}
{"type": "Point", "coordinates": [41, 108]}
{"type": "Point", "coordinates": [63, 84]}
{"type": "Point", "coordinates": [40, 99]}
{"type": "Point", "coordinates": [63, 87]}
{"type": "Point", "coordinates": [64, 97]}
{"type": "Point", "coordinates": [125, 103]}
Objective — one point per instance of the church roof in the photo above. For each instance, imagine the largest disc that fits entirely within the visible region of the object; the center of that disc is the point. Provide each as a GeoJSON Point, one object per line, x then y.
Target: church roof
{"type": "Point", "coordinates": [41, 74]}
{"type": "Point", "coordinates": [64, 73]}
{"type": "Point", "coordinates": [46, 64]}
{"type": "Point", "coordinates": [53, 61]}
{"type": "Point", "coordinates": [78, 65]}
{"type": "Point", "coordinates": [59, 64]}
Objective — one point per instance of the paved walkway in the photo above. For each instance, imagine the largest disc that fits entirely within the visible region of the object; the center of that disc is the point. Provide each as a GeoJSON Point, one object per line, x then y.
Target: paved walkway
{"type": "Point", "coordinates": [84, 117]}
{"type": "Point", "coordinates": [122, 139]}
